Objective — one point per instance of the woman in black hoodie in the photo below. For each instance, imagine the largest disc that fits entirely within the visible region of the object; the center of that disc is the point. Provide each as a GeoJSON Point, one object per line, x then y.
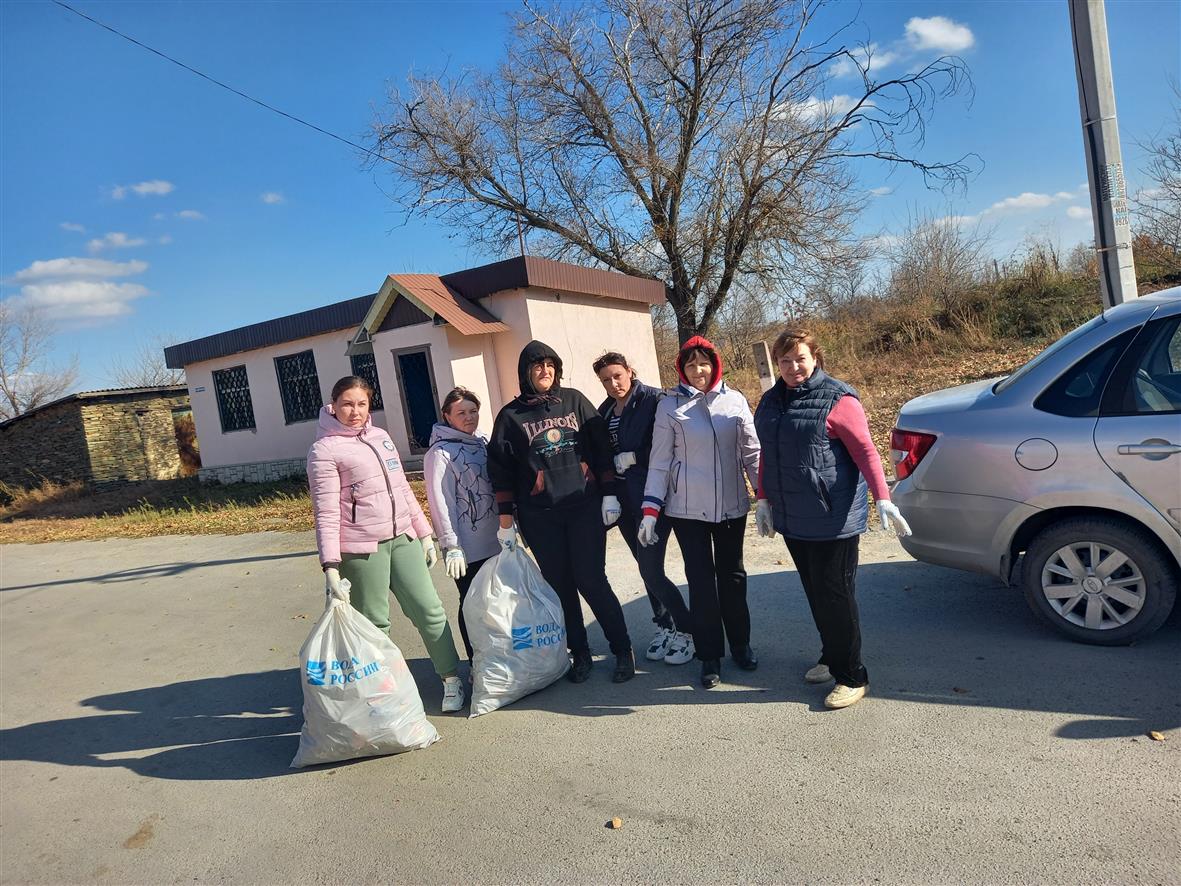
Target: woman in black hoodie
{"type": "Point", "coordinates": [550, 460]}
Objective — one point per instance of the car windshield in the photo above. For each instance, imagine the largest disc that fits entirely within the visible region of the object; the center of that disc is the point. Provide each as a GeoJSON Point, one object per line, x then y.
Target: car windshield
{"type": "Point", "coordinates": [1048, 353]}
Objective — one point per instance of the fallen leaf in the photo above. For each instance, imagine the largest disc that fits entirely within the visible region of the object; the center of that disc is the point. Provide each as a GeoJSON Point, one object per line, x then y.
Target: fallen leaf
{"type": "Point", "coordinates": [780, 563]}
{"type": "Point", "coordinates": [1156, 736]}
{"type": "Point", "coordinates": [959, 689]}
{"type": "Point", "coordinates": [301, 615]}
{"type": "Point", "coordinates": [615, 823]}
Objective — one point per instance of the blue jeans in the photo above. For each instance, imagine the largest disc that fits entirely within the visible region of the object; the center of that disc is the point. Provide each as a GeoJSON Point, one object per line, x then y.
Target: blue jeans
{"type": "Point", "coordinates": [668, 607]}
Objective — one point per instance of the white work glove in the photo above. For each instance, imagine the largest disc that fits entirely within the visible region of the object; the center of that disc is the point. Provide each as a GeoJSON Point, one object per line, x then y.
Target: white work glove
{"type": "Point", "coordinates": [428, 550]}
{"type": "Point", "coordinates": [647, 532]}
{"type": "Point", "coordinates": [888, 511]}
{"type": "Point", "coordinates": [334, 586]}
{"type": "Point", "coordinates": [623, 461]}
{"type": "Point", "coordinates": [611, 510]}
{"type": "Point", "coordinates": [507, 537]}
{"type": "Point", "coordinates": [763, 519]}
{"type": "Point", "coordinates": [454, 563]}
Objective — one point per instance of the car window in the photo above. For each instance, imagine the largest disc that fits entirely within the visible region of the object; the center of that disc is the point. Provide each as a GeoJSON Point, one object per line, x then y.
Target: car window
{"type": "Point", "coordinates": [1149, 380]}
{"type": "Point", "coordinates": [1049, 352]}
{"type": "Point", "coordinates": [1077, 392]}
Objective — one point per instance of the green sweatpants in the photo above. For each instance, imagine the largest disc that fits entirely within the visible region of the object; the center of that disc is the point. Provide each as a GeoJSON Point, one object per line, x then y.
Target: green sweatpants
{"type": "Point", "coordinates": [398, 565]}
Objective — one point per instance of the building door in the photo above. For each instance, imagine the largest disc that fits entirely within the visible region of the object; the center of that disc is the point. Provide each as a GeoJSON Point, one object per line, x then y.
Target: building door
{"type": "Point", "coordinates": [416, 386]}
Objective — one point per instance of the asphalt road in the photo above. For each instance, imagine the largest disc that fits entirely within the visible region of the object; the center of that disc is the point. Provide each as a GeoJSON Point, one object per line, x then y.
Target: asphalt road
{"type": "Point", "coordinates": [151, 706]}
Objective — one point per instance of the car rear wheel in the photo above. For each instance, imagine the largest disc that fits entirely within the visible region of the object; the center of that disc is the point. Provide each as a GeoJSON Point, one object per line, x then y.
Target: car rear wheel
{"type": "Point", "coordinates": [1099, 580]}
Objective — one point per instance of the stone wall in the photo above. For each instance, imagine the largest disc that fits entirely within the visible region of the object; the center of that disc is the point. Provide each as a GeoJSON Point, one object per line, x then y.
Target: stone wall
{"type": "Point", "coordinates": [50, 444]}
{"type": "Point", "coordinates": [132, 437]}
{"type": "Point", "coordinates": [255, 472]}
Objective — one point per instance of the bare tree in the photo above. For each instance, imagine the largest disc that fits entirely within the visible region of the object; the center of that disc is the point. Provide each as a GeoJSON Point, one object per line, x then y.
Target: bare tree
{"type": "Point", "coordinates": [686, 140]}
{"type": "Point", "coordinates": [27, 380]}
{"type": "Point", "coordinates": [937, 260]}
{"type": "Point", "coordinates": [1158, 208]}
{"type": "Point", "coordinates": [144, 367]}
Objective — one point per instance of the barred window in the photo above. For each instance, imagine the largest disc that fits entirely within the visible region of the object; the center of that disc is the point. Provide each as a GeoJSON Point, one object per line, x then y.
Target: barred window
{"type": "Point", "coordinates": [299, 386]}
{"type": "Point", "coordinates": [233, 399]}
{"type": "Point", "coordinates": [364, 366]}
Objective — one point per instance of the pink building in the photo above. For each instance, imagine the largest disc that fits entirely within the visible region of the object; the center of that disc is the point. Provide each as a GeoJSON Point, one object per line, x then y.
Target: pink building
{"type": "Point", "coordinates": [256, 391]}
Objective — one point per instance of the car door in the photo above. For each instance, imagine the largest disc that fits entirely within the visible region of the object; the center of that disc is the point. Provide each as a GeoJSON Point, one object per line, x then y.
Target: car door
{"type": "Point", "coordinates": [1138, 433]}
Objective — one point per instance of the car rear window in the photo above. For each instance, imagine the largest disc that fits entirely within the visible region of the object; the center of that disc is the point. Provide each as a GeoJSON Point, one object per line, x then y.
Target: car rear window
{"type": "Point", "coordinates": [1076, 393]}
{"type": "Point", "coordinates": [1048, 353]}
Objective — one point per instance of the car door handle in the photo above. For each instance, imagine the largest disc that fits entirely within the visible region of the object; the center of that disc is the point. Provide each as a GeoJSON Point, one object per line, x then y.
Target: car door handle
{"type": "Point", "coordinates": [1150, 448]}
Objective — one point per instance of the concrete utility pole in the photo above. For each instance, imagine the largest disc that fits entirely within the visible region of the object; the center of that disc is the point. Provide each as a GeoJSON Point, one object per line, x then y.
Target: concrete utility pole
{"type": "Point", "coordinates": [1105, 168]}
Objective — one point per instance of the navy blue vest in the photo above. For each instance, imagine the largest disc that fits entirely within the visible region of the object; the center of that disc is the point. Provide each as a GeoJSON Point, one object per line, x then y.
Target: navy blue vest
{"type": "Point", "coordinates": [812, 483]}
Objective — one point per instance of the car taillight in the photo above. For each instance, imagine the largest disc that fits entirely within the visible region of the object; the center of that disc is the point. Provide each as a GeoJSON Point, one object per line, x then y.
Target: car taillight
{"type": "Point", "coordinates": [907, 449]}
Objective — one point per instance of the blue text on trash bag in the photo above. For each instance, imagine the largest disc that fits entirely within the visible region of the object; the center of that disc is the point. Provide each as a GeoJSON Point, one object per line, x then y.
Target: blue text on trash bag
{"type": "Point", "coordinates": [348, 670]}
{"type": "Point", "coordinates": [548, 633]}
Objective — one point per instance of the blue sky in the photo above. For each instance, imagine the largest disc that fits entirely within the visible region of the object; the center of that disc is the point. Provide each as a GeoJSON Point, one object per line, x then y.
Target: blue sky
{"type": "Point", "coordinates": [187, 210]}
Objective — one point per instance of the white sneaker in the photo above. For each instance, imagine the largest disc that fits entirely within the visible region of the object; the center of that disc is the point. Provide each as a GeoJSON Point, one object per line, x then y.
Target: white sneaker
{"type": "Point", "coordinates": [658, 648]}
{"type": "Point", "coordinates": [818, 674]}
{"type": "Point", "coordinates": [680, 650]}
{"type": "Point", "coordinates": [842, 696]}
{"type": "Point", "coordinates": [452, 695]}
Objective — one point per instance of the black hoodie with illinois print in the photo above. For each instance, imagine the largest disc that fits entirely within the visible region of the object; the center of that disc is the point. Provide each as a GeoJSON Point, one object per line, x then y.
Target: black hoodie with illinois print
{"type": "Point", "coordinates": [551, 449]}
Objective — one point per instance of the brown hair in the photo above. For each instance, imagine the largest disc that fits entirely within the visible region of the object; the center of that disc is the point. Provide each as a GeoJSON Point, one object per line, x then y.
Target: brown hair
{"type": "Point", "coordinates": [612, 358]}
{"type": "Point", "coordinates": [348, 383]}
{"type": "Point", "coordinates": [455, 395]}
{"type": "Point", "coordinates": [797, 335]}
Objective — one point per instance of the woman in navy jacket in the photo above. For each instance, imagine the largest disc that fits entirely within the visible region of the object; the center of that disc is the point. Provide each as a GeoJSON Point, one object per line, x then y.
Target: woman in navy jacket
{"type": "Point", "coordinates": [629, 411]}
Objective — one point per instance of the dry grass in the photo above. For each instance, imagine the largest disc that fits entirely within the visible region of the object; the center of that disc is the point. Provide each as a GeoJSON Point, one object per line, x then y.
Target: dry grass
{"type": "Point", "coordinates": [54, 512]}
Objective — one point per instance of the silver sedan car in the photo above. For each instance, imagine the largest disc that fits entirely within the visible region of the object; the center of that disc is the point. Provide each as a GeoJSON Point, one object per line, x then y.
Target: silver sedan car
{"type": "Point", "coordinates": [1064, 477]}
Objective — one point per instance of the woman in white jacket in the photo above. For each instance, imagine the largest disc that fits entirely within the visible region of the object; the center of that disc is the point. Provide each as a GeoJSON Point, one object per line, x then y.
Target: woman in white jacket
{"type": "Point", "coordinates": [704, 448]}
{"type": "Point", "coordinates": [463, 508]}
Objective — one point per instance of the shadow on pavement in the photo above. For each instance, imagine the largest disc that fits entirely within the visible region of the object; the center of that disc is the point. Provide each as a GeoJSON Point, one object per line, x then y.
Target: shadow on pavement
{"type": "Point", "coordinates": [931, 636]}
{"type": "Point", "coordinates": [160, 570]}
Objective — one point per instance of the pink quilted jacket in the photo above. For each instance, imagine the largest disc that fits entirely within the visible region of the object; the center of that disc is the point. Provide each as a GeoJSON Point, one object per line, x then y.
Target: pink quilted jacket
{"type": "Point", "coordinates": [360, 494]}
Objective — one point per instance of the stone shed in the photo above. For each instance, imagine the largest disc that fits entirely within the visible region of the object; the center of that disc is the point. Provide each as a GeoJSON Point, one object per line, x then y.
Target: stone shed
{"type": "Point", "coordinates": [97, 437]}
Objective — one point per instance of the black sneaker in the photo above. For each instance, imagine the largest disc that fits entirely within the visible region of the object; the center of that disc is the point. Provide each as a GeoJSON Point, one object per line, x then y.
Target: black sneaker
{"type": "Point", "coordinates": [581, 668]}
{"type": "Point", "coordinates": [711, 673]}
{"type": "Point", "coordinates": [625, 667]}
{"type": "Point", "coordinates": [745, 657]}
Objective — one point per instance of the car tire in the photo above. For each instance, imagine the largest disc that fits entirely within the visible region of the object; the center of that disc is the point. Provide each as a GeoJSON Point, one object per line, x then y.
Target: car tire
{"type": "Point", "coordinates": [1132, 601]}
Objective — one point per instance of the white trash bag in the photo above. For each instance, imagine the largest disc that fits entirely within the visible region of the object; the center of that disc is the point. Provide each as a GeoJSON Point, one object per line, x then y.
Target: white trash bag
{"type": "Point", "coordinates": [518, 635]}
{"type": "Point", "coordinates": [359, 699]}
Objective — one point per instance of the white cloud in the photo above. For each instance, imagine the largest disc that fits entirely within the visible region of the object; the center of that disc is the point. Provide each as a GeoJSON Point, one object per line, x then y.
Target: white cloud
{"type": "Point", "coordinates": [72, 226]}
{"type": "Point", "coordinates": [154, 188]}
{"type": "Point", "coordinates": [77, 268]}
{"type": "Point", "coordinates": [191, 215]}
{"type": "Point", "coordinates": [882, 191]}
{"type": "Point", "coordinates": [79, 288]}
{"type": "Point", "coordinates": [81, 299]}
{"type": "Point", "coordinates": [160, 216]}
{"type": "Point", "coordinates": [165, 239]}
{"type": "Point", "coordinates": [872, 58]}
{"type": "Point", "coordinates": [957, 220]}
{"type": "Point", "coordinates": [271, 197]}
{"type": "Point", "coordinates": [1028, 200]}
{"type": "Point", "coordinates": [938, 33]}
{"type": "Point", "coordinates": [1078, 211]}
{"type": "Point", "coordinates": [114, 240]}
{"type": "Point", "coordinates": [814, 108]}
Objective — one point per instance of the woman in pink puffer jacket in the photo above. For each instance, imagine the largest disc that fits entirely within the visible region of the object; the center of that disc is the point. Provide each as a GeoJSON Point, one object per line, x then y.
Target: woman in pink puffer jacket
{"type": "Point", "coordinates": [370, 529]}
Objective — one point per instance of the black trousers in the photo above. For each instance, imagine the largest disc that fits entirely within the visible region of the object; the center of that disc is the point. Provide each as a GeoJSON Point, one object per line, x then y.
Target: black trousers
{"type": "Point", "coordinates": [828, 571]}
{"type": "Point", "coordinates": [668, 607]}
{"type": "Point", "coordinates": [570, 546]}
{"type": "Point", "coordinates": [463, 584]}
{"type": "Point", "coordinates": [717, 584]}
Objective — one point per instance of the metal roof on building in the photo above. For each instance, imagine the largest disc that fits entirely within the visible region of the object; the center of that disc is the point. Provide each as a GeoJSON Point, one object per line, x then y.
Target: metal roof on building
{"type": "Point", "coordinates": [522, 271]}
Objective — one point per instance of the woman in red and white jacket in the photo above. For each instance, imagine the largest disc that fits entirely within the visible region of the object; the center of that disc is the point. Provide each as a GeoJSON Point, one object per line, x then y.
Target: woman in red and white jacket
{"type": "Point", "coordinates": [370, 528]}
